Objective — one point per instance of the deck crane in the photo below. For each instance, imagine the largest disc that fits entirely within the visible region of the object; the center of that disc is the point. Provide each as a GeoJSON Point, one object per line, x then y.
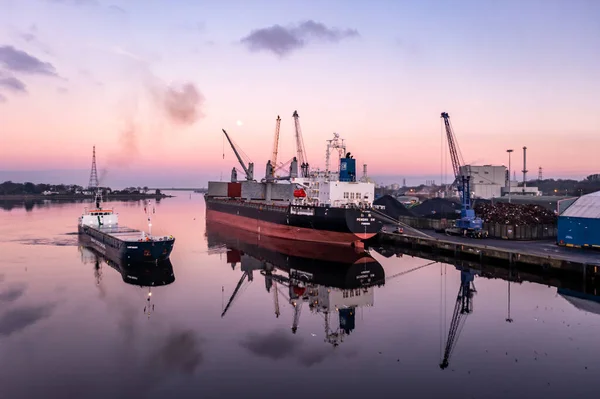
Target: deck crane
{"type": "Point", "coordinates": [275, 144]}
{"type": "Point", "coordinates": [468, 224]}
{"type": "Point", "coordinates": [248, 170]}
{"type": "Point", "coordinates": [462, 308]}
{"type": "Point", "coordinates": [302, 159]}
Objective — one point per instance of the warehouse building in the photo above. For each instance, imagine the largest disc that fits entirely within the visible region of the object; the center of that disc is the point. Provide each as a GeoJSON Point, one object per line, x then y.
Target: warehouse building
{"type": "Point", "coordinates": [487, 181]}
{"type": "Point", "coordinates": [579, 224]}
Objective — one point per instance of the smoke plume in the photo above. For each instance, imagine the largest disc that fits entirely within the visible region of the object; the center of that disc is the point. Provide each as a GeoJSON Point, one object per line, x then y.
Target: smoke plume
{"type": "Point", "coordinates": [182, 105]}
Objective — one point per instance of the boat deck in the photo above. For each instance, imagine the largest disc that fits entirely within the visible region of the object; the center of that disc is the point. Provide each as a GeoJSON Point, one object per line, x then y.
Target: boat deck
{"type": "Point", "coordinates": [122, 233]}
{"type": "Point", "coordinates": [128, 234]}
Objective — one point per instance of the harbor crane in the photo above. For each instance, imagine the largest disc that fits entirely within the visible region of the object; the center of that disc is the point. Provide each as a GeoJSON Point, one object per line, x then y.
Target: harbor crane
{"type": "Point", "coordinates": [248, 170]}
{"type": "Point", "coordinates": [468, 224]}
{"type": "Point", "coordinates": [462, 308]}
{"type": "Point", "coordinates": [302, 159]}
{"type": "Point", "coordinates": [275, 144]}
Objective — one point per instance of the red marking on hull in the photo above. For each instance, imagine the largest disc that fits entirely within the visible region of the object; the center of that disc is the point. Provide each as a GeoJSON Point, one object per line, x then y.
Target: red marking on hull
{"type": "Point", "coordinates": [284, 231]}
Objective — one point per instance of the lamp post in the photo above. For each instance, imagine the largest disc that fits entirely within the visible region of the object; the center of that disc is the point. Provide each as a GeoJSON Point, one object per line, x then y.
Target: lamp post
{"type": "Point", "coordinates": [509, 151]}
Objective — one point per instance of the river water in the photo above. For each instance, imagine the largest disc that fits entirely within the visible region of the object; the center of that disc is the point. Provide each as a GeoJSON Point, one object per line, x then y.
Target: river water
{"type": "Point", "coordinates": [73, 326]}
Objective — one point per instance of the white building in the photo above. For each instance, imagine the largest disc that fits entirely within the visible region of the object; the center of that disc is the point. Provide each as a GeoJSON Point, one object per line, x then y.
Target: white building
{"type": "Point", "coordinates": [487, 181]}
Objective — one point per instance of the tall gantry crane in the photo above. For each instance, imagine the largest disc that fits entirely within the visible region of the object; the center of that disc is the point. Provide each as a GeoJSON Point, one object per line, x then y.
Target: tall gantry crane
{"type": "Point", "coordinates": [275, 144]}
{"type": "Point", "coordinates": [248, 169]}
{"type": "Point", "coordinates": [462, 308]}
{"type": "Point", "coordinates": [468, 224]}
{"type": "Point", "coordinates": [300, 146]}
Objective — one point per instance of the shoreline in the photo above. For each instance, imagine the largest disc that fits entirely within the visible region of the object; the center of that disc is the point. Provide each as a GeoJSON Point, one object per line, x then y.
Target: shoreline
{"type": "Point", "coordinates": [75, 197]}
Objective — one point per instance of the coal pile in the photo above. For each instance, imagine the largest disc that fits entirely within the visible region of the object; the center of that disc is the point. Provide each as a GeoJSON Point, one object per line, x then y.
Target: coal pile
{"type": "Point", "coordinates": [437, 208]}
{"type": "Point", "coordinates": [514, 214]}
{"type": "Point", "coordinates": [391, 207]}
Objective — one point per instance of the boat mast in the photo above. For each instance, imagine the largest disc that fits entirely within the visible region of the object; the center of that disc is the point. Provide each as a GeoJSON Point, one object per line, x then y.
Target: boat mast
{"type": "Point", "coordinates": [147, 209]}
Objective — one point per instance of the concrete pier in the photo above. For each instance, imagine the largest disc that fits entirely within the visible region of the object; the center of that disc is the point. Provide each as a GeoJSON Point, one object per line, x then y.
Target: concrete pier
{"type": "Point", "coordinates": [544, 256]}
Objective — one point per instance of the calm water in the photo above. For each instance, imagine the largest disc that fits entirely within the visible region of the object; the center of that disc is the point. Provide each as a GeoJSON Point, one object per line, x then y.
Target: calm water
{"type": "Point", "coordinates": [70, 326]}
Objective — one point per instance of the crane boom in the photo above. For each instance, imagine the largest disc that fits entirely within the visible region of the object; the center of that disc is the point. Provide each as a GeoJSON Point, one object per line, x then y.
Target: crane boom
{"type": "Point", "coordinates": [248, 170]}
{"type": "Point", "coordinates": [455, 154]}
{"type": "Point", "coordinates": [302, 159]}
{"type": "Point", "coordinates": [275, 143]}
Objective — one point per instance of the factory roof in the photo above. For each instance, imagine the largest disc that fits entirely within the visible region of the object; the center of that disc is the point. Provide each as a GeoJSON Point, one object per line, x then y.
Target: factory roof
{"type": "Point", "coordinates": [586, 206]}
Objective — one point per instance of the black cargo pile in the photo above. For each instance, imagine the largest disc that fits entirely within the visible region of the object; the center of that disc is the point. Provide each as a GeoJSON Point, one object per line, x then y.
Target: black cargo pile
{"type": "Point", "coordinates": [514, 214]}
{"type": "Point", "coordinates": [393, 208]}
{"type": "Point", "coordinates": [437, 208]}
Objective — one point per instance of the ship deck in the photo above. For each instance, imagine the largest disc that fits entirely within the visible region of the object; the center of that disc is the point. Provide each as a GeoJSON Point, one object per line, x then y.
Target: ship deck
{"type": "Point", "coordinates": [121, 233]}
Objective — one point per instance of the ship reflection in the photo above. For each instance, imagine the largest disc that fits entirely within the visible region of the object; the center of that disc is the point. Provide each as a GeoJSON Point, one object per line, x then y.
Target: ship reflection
{"type": "Point", "coordinates": [330, 281]}
{"type": "Point", "coordinates": [137, 274]}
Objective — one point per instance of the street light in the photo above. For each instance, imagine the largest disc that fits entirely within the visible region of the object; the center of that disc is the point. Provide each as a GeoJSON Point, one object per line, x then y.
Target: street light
{"type": "Point", "coordinates": [509, 151]}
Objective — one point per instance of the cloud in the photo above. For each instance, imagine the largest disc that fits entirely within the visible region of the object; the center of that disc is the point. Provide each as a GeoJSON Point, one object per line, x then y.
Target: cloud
{"type": "Point", "coordinates": [19, 61]}
{"type": "Point", "coordinates": [277, 344]}
{"type": "Point", "coordinates": [2, 99]}
{"type": "Point", "coordinates": [62, 90]}
{"type": "Point", "coordinates": [28, 37]}
{"type": "Point", "coordinates": [12, 293]}
{"type": "Point", "coordinates": [409, 47]}
{"type": "Point", "coordinates": [75, 2]}
{"type": "Point", "coordinates": [117, 9]}
{"type": "Point", "coordinates": [18, 319]}
{"type": "Point", "coordinates": [284, 40]}
{"type": "Point", "coordinates": [182, 105]}
{"type": "Point", "coordinates": [13, 84]}
{"type": "Point", "coordinates": [280, 344]}
{"type": "Point", "coordinates": [181, 351]}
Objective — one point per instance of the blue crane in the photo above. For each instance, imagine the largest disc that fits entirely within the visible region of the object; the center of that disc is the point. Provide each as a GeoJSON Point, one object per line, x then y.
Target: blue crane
{"type": "Point", "coordinates": [468, 224]}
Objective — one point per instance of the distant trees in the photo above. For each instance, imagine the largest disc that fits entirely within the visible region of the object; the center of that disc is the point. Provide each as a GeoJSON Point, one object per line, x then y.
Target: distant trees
{"type": "Point", "coordinates": [28, 188]}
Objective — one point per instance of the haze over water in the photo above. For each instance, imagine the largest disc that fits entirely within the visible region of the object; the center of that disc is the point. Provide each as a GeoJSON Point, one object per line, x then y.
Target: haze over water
{"type": "Point", "coordinates": [68, 329]}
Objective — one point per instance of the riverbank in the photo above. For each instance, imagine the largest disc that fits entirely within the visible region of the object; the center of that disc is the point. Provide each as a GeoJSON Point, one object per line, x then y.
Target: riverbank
{"type": "Point", "coordinates": [80, 197]}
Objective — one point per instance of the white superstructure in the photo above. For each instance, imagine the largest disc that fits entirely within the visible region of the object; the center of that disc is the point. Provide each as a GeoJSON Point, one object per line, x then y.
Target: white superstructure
{"type": "Point", "coordinates": [324, 188]}
{"type": "Point", "coordinates": [99, 217]}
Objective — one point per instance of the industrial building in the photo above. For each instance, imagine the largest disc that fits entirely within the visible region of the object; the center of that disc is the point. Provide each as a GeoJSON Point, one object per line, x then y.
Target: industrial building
{"type": "Point", "coordinates": [579, 224]}
{"type": "Point", "coordinates": [487, 181]}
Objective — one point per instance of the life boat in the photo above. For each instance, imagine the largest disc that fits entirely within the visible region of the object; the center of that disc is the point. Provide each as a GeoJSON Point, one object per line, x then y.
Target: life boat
{"type": "Point", "coordinates": [299, 193]}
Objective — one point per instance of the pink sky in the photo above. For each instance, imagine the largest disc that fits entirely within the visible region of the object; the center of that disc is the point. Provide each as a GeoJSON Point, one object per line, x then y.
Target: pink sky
{"type": "Point", "coordinates": [382, 93]}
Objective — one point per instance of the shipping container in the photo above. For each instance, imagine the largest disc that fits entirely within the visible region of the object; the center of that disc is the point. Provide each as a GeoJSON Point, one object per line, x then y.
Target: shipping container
{"type": "Point", "coordinates": [575, 231]}
{"type": "Point", "coordinates": [234, 190]}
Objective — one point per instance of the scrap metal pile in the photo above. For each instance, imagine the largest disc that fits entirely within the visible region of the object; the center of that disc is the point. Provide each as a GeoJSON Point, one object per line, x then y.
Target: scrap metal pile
{"type": "Point", "coordinates": [514, 214]}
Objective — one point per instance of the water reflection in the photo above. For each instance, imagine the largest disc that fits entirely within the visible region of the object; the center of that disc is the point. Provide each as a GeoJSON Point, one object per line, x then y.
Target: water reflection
{"type": "Point", "coordinates": [139, 274]}
{"type": "Point", "coordinates": [331, 281]}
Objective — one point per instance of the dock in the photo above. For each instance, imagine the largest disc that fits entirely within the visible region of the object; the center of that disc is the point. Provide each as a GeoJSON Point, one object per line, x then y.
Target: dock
{"type": "Point", "coordinates": [544, 256]}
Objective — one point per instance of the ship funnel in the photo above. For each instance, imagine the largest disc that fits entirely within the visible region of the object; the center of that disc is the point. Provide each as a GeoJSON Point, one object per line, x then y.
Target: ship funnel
{"type": "Point", "coordinates": [294, 168]}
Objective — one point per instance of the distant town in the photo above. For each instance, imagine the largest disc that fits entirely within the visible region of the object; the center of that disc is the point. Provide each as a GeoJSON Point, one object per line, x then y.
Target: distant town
{"type": "Point", "coordinates": [490, 182]}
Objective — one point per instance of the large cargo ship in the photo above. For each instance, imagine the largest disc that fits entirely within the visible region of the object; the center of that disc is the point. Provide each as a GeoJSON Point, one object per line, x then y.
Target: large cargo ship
{"type": "Point", "coordinates": [100, 229]}
{"type": "Point", "coordinates": [329, 206]}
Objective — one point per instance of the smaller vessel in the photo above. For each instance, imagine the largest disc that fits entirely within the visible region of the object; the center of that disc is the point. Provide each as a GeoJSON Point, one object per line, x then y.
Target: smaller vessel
{"type": "Point", "coordinates": [100, 228]}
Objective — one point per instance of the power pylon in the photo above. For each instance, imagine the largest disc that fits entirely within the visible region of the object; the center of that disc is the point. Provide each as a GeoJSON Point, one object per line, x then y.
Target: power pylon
{"type": "Point", "coordinates": [93, 184]}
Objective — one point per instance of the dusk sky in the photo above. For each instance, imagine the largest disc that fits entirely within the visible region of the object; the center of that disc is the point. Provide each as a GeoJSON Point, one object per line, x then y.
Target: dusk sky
{"type": "Point", "coordinates": [152, 83]}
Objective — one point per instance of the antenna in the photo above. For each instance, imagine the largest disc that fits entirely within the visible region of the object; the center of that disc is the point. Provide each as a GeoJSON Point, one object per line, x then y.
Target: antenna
{"type": "Point", "coordinates": [524, 168]}
{"type": "Point", "coordinates": [540, 175]}
{"type": "Point", "coordinates": [93, 184]}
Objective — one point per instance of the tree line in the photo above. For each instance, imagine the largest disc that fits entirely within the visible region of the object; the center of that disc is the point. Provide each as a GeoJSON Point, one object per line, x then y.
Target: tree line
{"type": "Point", "coordinates": [28, 188]}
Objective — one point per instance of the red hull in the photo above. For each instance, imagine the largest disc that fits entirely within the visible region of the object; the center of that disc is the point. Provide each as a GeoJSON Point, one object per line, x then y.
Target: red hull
{"type": "Point", "coordinates": [269, 229]}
